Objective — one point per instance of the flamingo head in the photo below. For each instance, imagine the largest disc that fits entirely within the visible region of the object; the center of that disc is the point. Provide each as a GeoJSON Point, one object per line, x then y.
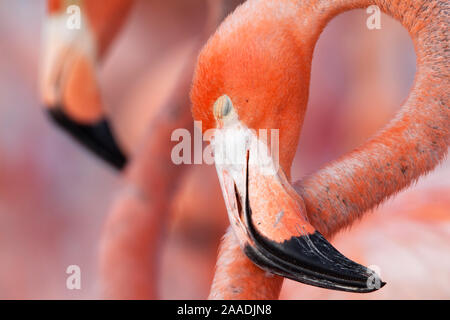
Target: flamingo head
{"type": "Point", "coordinates": [253, 74]}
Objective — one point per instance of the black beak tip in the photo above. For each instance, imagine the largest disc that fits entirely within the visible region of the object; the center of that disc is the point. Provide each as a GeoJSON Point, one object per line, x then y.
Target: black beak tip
{"type": "Point", "coordinates": [96, 137]}
{"type": "Point", "coordinates": [311, 259]}
{"type": "Point", "coordinates": [374, 283]}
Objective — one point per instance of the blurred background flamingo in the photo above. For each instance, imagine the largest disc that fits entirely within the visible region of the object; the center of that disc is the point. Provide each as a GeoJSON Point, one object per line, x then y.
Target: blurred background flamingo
{"type": "Point", "coordinates": [58, 225]}
{"type": "Point", "coordinates": [127, 255]}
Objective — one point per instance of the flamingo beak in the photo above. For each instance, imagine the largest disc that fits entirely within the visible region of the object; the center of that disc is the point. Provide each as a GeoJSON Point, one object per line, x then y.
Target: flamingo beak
{"type": "Point", "coordinates": [269, 217]}
{"type": "Point", "coordinates": [70, 91]}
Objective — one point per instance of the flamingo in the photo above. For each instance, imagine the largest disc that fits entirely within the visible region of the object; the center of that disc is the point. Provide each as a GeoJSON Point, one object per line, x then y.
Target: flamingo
{"type": "Point", "coordinates": [254, 73]}
{"type": "Point", "coordinates": [129, 247]}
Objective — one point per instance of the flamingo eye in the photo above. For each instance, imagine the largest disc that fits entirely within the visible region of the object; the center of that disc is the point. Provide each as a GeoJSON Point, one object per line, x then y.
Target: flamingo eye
{"type": "Point", "coordinates": [222, 107]}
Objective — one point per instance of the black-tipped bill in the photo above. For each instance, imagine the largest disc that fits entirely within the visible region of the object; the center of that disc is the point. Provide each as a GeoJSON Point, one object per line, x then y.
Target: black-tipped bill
{"type": "Point", "coordinates": [308, 258]}
{"type": "Point", "coordinates": [269, 218]}
{"type": "Point", "coordinates": [312, 260]}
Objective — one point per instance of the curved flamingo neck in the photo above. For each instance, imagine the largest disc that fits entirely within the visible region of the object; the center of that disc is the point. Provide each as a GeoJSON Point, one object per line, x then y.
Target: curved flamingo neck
{"type": "Point", "coordinates": [409, 146]}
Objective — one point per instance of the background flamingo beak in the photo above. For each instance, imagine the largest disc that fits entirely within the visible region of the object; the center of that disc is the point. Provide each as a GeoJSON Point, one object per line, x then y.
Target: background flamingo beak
{"type": "Point", "coordinates": [70, 90]}
{"type": "Point", "coordinates": [96, 137]}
